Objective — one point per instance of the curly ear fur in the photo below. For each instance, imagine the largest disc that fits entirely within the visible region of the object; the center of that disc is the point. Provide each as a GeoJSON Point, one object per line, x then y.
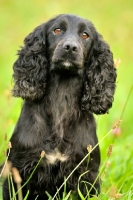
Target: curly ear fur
{"type": "Point", "coordinates": [99, 85]}
{"type": "Point", "coordinates": [30, 69]}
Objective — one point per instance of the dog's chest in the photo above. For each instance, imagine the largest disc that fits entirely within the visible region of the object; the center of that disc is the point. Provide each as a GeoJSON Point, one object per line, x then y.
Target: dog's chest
{"type": "Point", "coordinates": [63, 105]}
{"type": "Point", "coordinates": [55, 156]}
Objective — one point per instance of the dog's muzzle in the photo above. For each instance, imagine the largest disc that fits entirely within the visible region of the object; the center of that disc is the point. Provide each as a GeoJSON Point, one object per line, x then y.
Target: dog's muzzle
{"type": "Point", "coordinates": [68, 54]}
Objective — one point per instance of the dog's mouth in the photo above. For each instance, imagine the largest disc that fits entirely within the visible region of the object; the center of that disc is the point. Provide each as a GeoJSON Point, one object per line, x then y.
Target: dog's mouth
{"type": "Point", "coordinates": [66, 67]}
{"type": "Point", "coordinates": [67, 64]}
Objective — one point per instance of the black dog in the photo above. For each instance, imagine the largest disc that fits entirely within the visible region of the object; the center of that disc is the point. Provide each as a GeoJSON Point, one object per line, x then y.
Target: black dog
{"type": "Point", "coordinates": [64, 72]}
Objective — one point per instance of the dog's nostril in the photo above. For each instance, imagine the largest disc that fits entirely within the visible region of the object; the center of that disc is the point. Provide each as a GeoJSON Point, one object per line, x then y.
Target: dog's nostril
{"type": "Point", "coordinates": [74, 48]}
{"type": "Point", "coordinates": [70, 47]}
{"type": "Point", "coordinates": [67, 47]}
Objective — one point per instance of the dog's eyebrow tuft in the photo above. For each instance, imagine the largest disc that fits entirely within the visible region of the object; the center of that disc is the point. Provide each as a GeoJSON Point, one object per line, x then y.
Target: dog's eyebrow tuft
{"type": "Point", "coordinates": [82, 26]}
{"type": "Point", "coordinates": [62, 24]}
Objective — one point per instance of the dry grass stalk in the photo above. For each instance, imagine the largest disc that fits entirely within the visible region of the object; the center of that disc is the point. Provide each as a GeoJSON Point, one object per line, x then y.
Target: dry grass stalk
{"type": "Point", "coordinates": [6, 169]}
{"type": "Point", "coordinates": [7, 166]}
{"type": "Point", "coordinates": [16, 175]}
{"type": "Point", "coordinates": [118, 196]}
{"type": "Point", "coordinates": [17, 179]}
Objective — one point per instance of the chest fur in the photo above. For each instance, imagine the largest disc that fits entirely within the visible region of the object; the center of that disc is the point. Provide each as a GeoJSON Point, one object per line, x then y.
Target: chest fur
{"type": "Point", "coordinates": [63, 103]}
{"type": "Point", "coordinates": [56, 155]}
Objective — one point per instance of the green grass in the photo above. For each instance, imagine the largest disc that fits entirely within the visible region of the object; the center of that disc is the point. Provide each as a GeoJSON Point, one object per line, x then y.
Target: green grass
{"type": "Point", "coordinates": [113, 19]}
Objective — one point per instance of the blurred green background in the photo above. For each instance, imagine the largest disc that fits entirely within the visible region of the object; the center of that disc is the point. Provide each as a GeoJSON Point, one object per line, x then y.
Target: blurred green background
{"type": "Point", "coordinates": [114, 20]}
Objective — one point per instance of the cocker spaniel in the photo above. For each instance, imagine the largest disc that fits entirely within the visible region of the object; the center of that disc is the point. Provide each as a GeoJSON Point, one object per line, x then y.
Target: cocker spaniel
{"type": "Point", "coordinates": [64, 73]}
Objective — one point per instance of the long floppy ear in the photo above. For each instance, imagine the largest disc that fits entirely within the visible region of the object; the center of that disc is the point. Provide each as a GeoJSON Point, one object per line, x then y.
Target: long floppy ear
{"type": "Point", "coordinates": [100, 78]}
{"type": "Point", "coordinates": [30, 69]}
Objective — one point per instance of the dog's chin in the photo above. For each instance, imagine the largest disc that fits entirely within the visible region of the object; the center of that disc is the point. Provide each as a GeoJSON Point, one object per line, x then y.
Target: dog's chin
{"type": "Point", "coordinates": [67, 67]}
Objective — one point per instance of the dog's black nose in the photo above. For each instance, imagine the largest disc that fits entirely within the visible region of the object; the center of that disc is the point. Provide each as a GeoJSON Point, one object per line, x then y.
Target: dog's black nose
{"type": "Point", "coordinates": [70, 46]}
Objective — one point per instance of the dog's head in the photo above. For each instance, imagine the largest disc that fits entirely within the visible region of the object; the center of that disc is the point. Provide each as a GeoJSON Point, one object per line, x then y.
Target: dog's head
{"type": "Point", "coordinates": [66, 43]}
{"type": "Point", "coordinates": [71, 41]}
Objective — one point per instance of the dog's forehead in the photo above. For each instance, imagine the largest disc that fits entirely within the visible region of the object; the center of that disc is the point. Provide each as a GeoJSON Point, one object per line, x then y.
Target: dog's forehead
{"type": "Point", "coordinates": [72, 20]}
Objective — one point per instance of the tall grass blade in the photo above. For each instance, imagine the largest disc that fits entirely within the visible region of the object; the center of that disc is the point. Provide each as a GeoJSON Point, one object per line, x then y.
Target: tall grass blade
{"type": "Point", "coordinates": [27, 194]}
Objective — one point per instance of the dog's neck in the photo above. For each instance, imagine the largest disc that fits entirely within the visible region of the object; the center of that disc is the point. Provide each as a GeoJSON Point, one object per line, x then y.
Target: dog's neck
{"type": "Point", "coordinates": [63, 101]}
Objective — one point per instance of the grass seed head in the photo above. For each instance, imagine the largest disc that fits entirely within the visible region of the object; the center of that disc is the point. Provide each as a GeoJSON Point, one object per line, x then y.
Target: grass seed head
{"type": "Point", "coordinates": [110, 150]}
{"type": "Point", "coordinates": [5, 137]}
{"type": "Point", "coordinates": [42, 154]}
{"type": "Point", "coordinates": [89, 148]}
{"type": "Point", "coordinates": [117, 124]}
{"type": "Point", "coordinates": [117, 62]}
{"type": "Point", "coordinates": [9, 145]}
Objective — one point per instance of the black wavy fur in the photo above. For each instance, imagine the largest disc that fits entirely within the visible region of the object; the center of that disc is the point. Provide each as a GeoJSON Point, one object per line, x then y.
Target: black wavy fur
{"type": "Point", "coordinates": [64, 73]}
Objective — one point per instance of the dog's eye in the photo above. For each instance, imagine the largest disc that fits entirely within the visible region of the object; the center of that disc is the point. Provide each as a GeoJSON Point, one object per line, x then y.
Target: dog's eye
{"type": "Point", "coordinates": [57, 31]}
{"type": "Point", "coordinates": [84, 35]}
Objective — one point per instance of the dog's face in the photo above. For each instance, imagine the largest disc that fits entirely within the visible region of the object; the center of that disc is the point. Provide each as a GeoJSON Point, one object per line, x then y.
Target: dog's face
{"type": "Point", "coordinates": [69, 41]}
